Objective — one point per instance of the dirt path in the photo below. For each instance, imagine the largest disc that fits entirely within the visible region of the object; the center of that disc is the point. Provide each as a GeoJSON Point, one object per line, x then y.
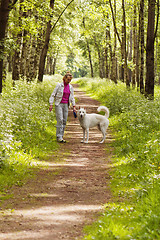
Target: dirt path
{"type": "Point", "coordinates": [67, 195]}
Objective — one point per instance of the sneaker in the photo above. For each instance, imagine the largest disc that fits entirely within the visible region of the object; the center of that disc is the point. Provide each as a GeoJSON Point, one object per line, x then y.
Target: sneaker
{"type": "Point", "coordinates": [62, 141]}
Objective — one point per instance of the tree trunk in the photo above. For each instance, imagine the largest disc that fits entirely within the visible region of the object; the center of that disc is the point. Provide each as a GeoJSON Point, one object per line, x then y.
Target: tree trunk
{"type": "Point", "coordinates": [29, 44]}
{"type": "Point", "coordinates": [138, 53]}
{"type": "Point", "coordinates": [130, 42]}
{"type": "Point", "coordinates": [149, 84]}
{"type": "Point", "coordinates": [103, 63]}
{"type": "Point", "coordinates": [134, 46]}
{"type": "Point", "coordinates": [50, 65]}
{"type": "Point", "coordinates": [114, 60]}
{"type": "Point", "coordinates": [106, 61]}
{"type": "Point", "coordinates": [142, 46]}
{"type": "Point", "coordinates": [44, 53]}
{"type": "Point", "coordinates": [24, 55]}
{"type": "Point", "coordinates": [89, 52]}
{"type": "Point", "coordinates": [47, 39]}
{"type": "Point", "coordinates": [122, 44]}
{"type": "Point", "coordinates": [107, 49]}
{"type": "Point", "coordinates": [24, 49]}
{"type": "Point", "coordinates": [4, 13]}
{"type": "Point", "coordinates": [124, 47]}
{"type": "Point", "coordinates": [47, 68]}
{"type": "Point", "coordinates": [45, 47]}
{"type": "Point", "coordinates": [122, 56]}
{"type": "Point", "coordinates": [55, 61]}
{"type": "Point", "coordinates": [9, 60]}
{"type": "Point", "coordinates": [39, 47]}
{"type": "Point", "coordinates": [90, 59]}
{"type": "Point", "coordinates": [99, 58]}
{"type": "Point", "coordinates": [32, 69]}
{"type": "Point", "coordinates": [16, 57]}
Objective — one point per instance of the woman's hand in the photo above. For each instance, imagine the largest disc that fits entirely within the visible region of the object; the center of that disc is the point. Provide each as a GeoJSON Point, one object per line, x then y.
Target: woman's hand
{"type": "Point", "coordinates": [50, 108]}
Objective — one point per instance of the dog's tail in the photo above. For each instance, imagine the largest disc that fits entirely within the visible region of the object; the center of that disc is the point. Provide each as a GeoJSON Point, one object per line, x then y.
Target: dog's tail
{"type": "Point", "coordinates": [104, 109]}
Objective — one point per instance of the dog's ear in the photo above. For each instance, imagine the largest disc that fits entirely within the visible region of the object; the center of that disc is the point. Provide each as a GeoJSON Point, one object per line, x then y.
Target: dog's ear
{"type": "Point", "coordinates": [79, 107]}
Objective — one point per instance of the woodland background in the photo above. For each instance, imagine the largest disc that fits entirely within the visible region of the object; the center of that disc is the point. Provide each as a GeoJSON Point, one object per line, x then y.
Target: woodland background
{"type": "Point", "coordinates": [109, 39]}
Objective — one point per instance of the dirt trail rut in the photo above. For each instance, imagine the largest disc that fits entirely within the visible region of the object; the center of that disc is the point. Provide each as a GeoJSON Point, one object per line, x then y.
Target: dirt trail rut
{"type": "Point", "coordinates": [65, 196]}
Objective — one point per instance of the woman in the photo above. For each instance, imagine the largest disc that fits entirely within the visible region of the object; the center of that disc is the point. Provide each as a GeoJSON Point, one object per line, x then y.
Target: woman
{"type": "Point", "coordinates": [62, 95]}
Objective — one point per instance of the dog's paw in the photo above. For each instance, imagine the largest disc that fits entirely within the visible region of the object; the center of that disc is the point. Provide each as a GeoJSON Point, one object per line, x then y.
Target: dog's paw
{"type": "Point", "coordinates": [86, 142]}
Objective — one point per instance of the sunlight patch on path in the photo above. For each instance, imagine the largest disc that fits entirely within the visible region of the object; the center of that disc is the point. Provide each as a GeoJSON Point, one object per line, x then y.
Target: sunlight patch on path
{"type": "Point", "coordinates": [48, 216]}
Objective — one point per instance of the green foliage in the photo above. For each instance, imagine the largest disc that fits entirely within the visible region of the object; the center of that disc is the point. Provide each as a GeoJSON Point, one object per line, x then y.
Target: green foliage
{"type": "Point", "coordinates": [135, 181]}
{"type": "Point", "coordinates": [27, 129]}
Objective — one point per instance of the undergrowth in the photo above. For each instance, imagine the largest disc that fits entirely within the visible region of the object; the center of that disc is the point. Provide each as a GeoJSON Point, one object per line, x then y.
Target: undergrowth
{"type": "Point", "coordinates": [135, 122]}
{"type": "Point", "coordinates": [27, 130]}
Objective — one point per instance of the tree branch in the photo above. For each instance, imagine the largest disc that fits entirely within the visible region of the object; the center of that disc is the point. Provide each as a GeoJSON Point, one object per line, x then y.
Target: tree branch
{"type": "Point", "coordinates": [155, 34]}
{"type": "Point", "coordinates": [60, 15]}
{"type": "Point", "coordinates": [114, 22]}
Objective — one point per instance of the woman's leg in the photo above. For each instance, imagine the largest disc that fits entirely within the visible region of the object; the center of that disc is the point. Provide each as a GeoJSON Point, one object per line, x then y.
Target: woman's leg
{"type": "Point", "coordinates": [65, 116]}
{"type": "Point", "coordinates": [59, 118]}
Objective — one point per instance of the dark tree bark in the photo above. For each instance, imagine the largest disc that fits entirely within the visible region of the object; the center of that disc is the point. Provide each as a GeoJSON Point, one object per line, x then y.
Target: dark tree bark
{"type": "Point", "coordinates": [134, 45]}
{"type": "Point", "coordinates": [107, 50]}
{"type": "Point", "coordinates": [17, 52]}
{"type": "Point", "coordinates": [126, 78]}
{"type": "Point", "coordinates": [4, 13]}
{"type": "Point", "coordinates": [124, 75]}
{"type": "Point", "coordinates": [23, 55]}
{"type": "Point", "coordinates": [9, 60]}
{"type": "Point", "coordinates": [44, 53]}
{"type": "Point", "coordinates": [142, 46]}
{"type": "Point", "coordinates": [130, 42]}
{"type": "Point", "coordinates": [114, 60]}
{"type": "Point", "coordinates": [149, 84]}
{"type": "Point", "coordinates": [5, 8]}
{"type": "Point", "coordinates": [138, 53]}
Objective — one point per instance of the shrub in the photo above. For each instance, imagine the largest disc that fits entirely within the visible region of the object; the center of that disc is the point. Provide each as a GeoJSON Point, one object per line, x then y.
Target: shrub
{"type": "Point", "coordinates": [27, 129]}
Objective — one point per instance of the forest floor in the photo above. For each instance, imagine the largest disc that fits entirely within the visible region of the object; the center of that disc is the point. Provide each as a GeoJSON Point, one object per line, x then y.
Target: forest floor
{"type": "Point", "coordinates": [68, 194]}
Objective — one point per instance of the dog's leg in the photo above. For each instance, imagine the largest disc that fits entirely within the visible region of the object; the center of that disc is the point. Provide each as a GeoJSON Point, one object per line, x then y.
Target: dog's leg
{"type": "Point", "coordinates": [83, 136]}
{"type": "Point", "coordinates": [87, 130]}
{"type": "Point", "coordinates": [102, 139]}
{"type": "Point", "coordinates": [104, 135]}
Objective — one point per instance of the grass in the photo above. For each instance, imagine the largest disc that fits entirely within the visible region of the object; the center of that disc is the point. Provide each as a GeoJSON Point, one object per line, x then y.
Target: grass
{"type": "Point", "coordinates": [27, 130]}
{"type": "Point", "coordinates": [135, 122]}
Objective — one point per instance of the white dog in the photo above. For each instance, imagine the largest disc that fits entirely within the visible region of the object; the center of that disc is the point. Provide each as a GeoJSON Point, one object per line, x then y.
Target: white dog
{"type": "Point", "coordinates": [92, 120]}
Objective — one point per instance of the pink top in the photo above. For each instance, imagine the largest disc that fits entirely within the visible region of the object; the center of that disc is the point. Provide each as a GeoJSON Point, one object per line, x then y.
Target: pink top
{"type": "Point", "coordinates": [66, 93]}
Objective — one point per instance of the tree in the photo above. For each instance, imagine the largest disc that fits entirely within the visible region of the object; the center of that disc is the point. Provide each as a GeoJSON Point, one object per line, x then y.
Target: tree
{"type": "Point", "coordinates": [5, 8]}
{"type": "Point", "coordinates": [122, 41]}
{"type": "Point", "coordinates": [142, 46]}
{"type": "Point", "coordinates": [49, 30]}
{"type": "Point", "coordinates": [149, 84]}
{"type": "Point", "coordinates": [89, 51]}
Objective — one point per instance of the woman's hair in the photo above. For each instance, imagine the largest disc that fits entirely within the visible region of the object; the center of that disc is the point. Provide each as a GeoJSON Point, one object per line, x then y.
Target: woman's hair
{"type": "Point", "coordinates": [68, 74]}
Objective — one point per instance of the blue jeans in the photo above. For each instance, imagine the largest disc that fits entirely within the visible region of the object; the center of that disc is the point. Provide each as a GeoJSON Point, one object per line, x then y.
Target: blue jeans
{"type": "Point", "coordinates": [61, 116]}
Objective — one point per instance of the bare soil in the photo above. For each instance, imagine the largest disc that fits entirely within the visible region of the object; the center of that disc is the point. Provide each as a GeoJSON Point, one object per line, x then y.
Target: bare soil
{"type": "Point", "coordinates": [67, 195]}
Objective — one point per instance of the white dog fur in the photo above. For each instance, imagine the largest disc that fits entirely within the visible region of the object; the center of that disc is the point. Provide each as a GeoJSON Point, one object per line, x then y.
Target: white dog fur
{"type": "Point", "coordinates": [92, 120]}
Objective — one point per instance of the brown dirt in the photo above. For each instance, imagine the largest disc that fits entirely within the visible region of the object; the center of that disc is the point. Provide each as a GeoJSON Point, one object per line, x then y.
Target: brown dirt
{"type": "Point", "coordinates": [67, 195]}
